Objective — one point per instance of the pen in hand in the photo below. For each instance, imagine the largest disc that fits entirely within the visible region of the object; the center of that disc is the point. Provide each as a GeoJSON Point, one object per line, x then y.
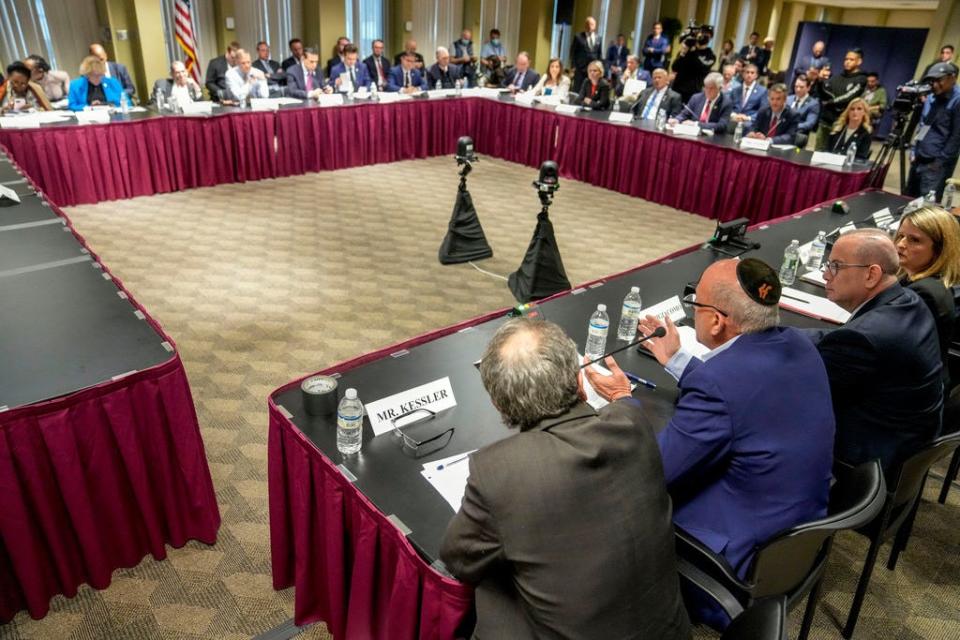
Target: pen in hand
{"type": "Point", "coordinates": [638, 380]}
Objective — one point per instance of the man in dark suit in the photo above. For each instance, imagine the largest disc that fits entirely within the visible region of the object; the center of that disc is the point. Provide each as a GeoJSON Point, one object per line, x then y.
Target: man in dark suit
{"type": "Point", "coordinates": [749, 449]}
{"type": "Point", "coordinates": [216, 79]}
{"type": "Point", "coordinates": [586, 48]}
{"type": "Point", "coordinates": [521, 77]}
{"type": "Point", "coordinates": [805, 106]}
{"type": "Point", "coordinates": [270, 68]}
{"type": "Point", "coordinates": [350, 69]}
{"type": "Point", "coordinates": [305, 80]}
{"type": "Point", "coordinates": [750, 52]}
{"type": "Point", "coordinates": [338, 55]}
{"type": "Point", "coordinates": [775, 121]}
{"type": "Point", "coordinates": [711, 108]}
{"type": "Point", "coordinates": [570, 475]}
{"type": "Point", "coordinates": [749, 96]}
{"type": "Point", "coordinates": [410, 46]}
{"type": "Point", "coordinates": [296, 52]}
{"type": "Point", "coordinates": [404, 77]}
{"type": "Point", "coordinates": [617, 57]}
{"type": "Point", "coordinates": [884, 362]}
{"type": "Point", "coordinates": [656, 97]}
{"type": "Point", "coordinates": [443, 72]}
{"type": "Point", "coordinates": [378, 67]}
{"type": "Point", "coordinates": [115, 70]}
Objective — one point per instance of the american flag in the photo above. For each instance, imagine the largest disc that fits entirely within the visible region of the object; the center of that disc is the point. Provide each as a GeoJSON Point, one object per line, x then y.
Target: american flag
{"type": "Point", "coordinates": [183, 18]}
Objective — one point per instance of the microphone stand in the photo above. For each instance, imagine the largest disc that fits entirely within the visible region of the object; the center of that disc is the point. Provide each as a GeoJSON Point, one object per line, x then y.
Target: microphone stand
{"type": "Point", "coordinates": [659, 332]}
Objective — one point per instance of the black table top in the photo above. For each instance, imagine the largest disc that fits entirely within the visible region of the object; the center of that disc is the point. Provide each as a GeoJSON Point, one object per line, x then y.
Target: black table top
{"type": "Point", "coordinates": [31, 210]}
{"type": "Point", "coordinates": [392, 480]}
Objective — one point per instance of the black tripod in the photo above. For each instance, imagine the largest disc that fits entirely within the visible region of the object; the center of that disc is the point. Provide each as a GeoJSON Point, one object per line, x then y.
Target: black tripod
{"type": "Point", "coordinates": [541, 274]}
{"type": "Point", "coordinates": [465, 240]}
{"type": "Point", "coordinates": [904, 124]}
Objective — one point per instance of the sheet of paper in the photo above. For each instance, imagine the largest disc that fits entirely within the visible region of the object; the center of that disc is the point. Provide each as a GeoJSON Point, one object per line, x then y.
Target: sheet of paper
{"type": "Point", "coordinates": [812, 305]}
{"type": "Point", "coordinates": [688, 340]}
{"type": "Point", "coordinates": [436, 396]}
{"type": "Point", "coordinates": [593, 398]}
{"type": "Point", "coordinates": [633, 87]}
{"type": "Point", "coordinates": [345, 85]}
{"type": "Point", "coordinates": [457, 458]}
{"type": "Point", "coordinates": [450, 482]}
{"type": "Point", "coordinates": [7, 192]}
{"type": "Point", "coordinates": [567, 108]}
{"type": "Point", "coordinates": [620, 117]}
{"type": "Point", "coordinates": [814, 276]}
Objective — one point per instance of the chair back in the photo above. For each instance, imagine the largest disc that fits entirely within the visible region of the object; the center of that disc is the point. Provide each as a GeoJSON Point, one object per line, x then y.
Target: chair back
{"type": "Point", "coordinates": [914, 469]}
{"type": "Point", "coordinates": [784, 563]}
{"type": "Point", "coordinates": [764, 620]}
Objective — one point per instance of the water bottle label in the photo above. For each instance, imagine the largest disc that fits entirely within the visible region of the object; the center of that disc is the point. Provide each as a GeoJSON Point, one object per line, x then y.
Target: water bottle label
{"type": "Point", "coordinates": [598, 328]}
{"type": "Point", "coordinates": [348, 420]}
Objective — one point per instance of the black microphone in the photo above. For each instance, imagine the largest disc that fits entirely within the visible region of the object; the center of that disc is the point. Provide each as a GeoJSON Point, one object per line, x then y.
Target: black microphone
{"type": "Point", "coordinates": [659, 332]}
{"type": "Point", "coordinates": [690, 111]}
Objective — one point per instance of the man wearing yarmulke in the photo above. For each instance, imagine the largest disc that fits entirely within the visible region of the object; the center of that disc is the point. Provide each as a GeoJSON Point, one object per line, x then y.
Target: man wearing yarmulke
{"type": "Point", "coordinates": [749, 450]}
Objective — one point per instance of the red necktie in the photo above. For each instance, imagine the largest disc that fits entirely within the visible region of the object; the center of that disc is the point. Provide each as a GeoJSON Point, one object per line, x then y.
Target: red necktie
{"type": "Point", "coordinates": [705, 114]}
{"type": "Point", "coordinates": [773, 126]}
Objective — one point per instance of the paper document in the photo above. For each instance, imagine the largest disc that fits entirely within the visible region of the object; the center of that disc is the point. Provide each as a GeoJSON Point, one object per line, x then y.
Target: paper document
{"type": "Point", "coordinates": [688, 341]}
{"type": "Point", "coordinates": [7, 192]}
{"type": "Point", "coordinates": [449, 477]}
{"type": "Point", "coordinates": [593, 398]}
{"type": "Point", "coordinates": [26, 121]}
{"type": "Point", "coordinates": [634, 87]}
{"type": "Point", "coordinates": [812, 305]}
{"type": "Point", "coordinates": [814, 276]}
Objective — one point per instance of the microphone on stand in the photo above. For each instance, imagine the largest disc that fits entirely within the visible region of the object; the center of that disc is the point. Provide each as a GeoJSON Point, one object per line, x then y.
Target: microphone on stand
{"type": "Point", "coordinates": [659, 332]}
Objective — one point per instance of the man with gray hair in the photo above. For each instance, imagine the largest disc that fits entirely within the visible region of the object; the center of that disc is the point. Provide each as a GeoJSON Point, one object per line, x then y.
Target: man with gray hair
{"type": "Point", "coordinates": [243, 81]}
{"type": "Point", "coordinates": [711, 107]}
{"type": "Point", "coordinates": [884, 362]}
{"type": "Point", "coordinates": [443, 73]}
{"type": "Point", "coordinates": [179, 88]}
{"type": "Point", "coordinates": [749, 450]}
{"type": "Point", "coordinates": [535, 501]}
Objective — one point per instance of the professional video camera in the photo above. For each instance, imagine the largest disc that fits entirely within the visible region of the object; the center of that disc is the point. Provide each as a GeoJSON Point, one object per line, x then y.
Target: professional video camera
{"type": "Point", "coordinates": [909, 96]}
{"type": "Point", "coordinates": [548, 182]}
{"type": "Point", "coordinates": [696, 34]}
{"type": "Point", "coordinates": [465, 157]}
{"type": "Point", "coordinates": [907, 107]}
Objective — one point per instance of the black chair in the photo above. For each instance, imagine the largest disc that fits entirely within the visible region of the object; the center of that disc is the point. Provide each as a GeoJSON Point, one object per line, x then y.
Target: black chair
{"type": "Point", "coordinates": [792, 563]}
{"type": "Point", "coordinates": [951, 423]}
{"type": "Point", "coordinates": [897, 516]}
{"type": "Point", "coordinates": [951, 476]}
{"type": "Point", "coordinates": [765, 620]}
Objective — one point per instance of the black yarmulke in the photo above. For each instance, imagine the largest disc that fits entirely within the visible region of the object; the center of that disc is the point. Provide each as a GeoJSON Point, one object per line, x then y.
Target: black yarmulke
{"type": "Point", "coordinates": [759, 281]}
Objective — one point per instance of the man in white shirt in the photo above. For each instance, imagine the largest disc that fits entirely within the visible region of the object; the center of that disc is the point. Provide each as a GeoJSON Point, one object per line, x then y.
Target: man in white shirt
{"type": "Point", "coordinates": [243, 81]}
{"type": "Point", "coordinates": [179, 88]}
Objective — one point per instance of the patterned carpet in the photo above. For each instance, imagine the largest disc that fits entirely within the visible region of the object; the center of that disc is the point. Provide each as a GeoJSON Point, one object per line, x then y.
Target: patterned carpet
{"type": "Point", "coordinates": [262, 282]}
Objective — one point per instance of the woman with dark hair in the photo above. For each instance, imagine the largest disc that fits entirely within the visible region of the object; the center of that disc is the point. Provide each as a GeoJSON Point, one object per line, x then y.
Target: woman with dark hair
{"type": "Point", "coordinates": [19, 94]}
{"type": "Point", "coordinates": [553, 82]}
{"type": "Point", "coordinates": [728, 55]}
{"type": "Point", "coordinates": [54, 82]}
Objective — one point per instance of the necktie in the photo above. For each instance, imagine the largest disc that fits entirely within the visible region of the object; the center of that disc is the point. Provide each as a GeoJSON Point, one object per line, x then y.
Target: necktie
{"type": "Point", "coordinates": [746, 92]}
{"type": "Point", "coordinates": [379, 69]}
{"type": "Point", "coordinates": [649, 108]}
{"type": "Point", "coordinates": [773, 125]}
{"type": "Point", "coordinates": [309, 81]}
{"type": "Point", "coordinates": [406, 78]}
{"type": "Point", "coordinates": [705, 114]}
{"type": "Point", "coordinates": [353, 78]}
{"type": "Point", "coordinates": [590, 40]}
{"type": "Point", "coordinates": [518, 82]}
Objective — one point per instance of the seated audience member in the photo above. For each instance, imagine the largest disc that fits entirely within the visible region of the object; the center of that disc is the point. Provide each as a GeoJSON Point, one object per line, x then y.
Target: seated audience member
{"type": "Point", "coordinates": [884, 362]}
{"type": "Point", "coordinates": [595, 91]}
{"type": "Point", "coordinates": [749, 97]}
{"type": "Point", "coordinates": [18, 93]}
{"type": "Point", "coordinates": [852, 127]}
{"type": "Point", "coordinates": [709, 107]}
{"type": "Point", "coordinates": [410, 46]}
{"type": "Point", "coordinates": [775, 120]}
{"type": "Point", "coordinates": [804, 105]}
{"type": "Point", "coordinates": [657, 96]}
{"type": "Point", "coordinates": [443, 73]}
{"type": "Point", "coordinates": [243, 81]}
{"type": "Point", "coordinates": [179, 87]}
{"type": "Point", "coordinates": [93, 88]}
{"type": "Point", "coordinates": [521, 77]}
{"type": "Point", "coordinates": [270, 67]}
{"type": "Point", "coordinates": [876, 96]}
{"type": "Point", "coordinates": [728, 71]}
{"type": "Point", "coordinates": [554, 82]}
{"type": "Point", "coordinates": [305, 80]}
{"type": "Point", "coordinates": [338, 55]}
{"type": "Point", "coordinates": [378, 67]}
{"type": "Point", "coordinates": [493, 48]}
{"type": "Point", "coordinates": [349, 75]}
{"type": "Point", "coordinates": [928, 245]}
{"type": "Point", "coordinates": [748, 451]}
{"type": "Point", "coordinates": [296, 52]}
{"type": "Point", "coordinates": [404, 77]}
{"type": "Point", "coordinates": [617, 57]}
{"type": "Point", "coordinates": [114, 69]}
{"type": "Point", "coordinates": [569, 474]}
{"type": "Point", "coordinates": [626, 91]}
{"type": "Point", "coordinates": [55, 83]}
{"type": "Point", "coordinates": [216, 78]}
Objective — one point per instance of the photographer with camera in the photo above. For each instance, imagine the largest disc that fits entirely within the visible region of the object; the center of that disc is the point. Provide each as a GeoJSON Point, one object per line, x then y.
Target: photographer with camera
{"type": "Point", "coordinates": [937, 141]}
{"type": "Point", "coordinates": [694, 61]}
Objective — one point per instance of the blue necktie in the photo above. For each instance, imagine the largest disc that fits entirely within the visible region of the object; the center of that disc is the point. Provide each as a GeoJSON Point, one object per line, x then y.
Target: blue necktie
{"type": "Point", "coordinates": [647, 109]}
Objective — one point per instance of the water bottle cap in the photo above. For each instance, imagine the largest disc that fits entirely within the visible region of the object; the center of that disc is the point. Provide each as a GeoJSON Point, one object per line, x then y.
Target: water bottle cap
{"type": "Point", "coordinates": [601, 307]}
{"type": "Point", "coordinates": [351, 394]}
{"type": "Point", "coordinates": [634, 289]}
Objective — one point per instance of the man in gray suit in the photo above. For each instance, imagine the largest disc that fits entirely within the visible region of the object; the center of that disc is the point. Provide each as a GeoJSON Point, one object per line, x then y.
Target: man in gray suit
{"type": "Point", "coordinates": [565, 526]}
{"type": "Point", "coordinates": [659, 96]}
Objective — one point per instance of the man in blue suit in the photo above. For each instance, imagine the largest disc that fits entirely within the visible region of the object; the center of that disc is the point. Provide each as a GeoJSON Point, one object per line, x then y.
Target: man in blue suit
{"type": "Point", "coordinates": [805, 106]}
{"type": "Point", "coordinates": [356, 73]}
{"type": "Point", "coordinates": [404, 77]}
{"type": "Point", "coordinates": [617, 57]}
{"type": "Point", "coordinates": [749, 450]}
{"type": "Point", "coordinates": [711, 108]}
{"type": "Point", "coordinates": [521, 77]}
{"type": "Point", "coordinates": [115, 70]}
{"type": "Point", "coordinates": [776, 120]}
{"type": "Point", "coordinates": [93, 88]}
{"type": "Point", "coordinates": [884, 362]}
{"type": "Point", "coordinates": [305, 80]}
{"type": "Point", "coordinates": [748, 97]}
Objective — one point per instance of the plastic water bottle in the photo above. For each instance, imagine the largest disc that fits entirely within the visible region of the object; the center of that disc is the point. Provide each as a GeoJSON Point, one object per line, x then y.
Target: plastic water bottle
{"type": "Point", "coordinates": [931, 197]}
{"type": "Point", "coordinates": [630, 315]}
{"type": "Point", "coordinates": [159, 101]}
{"type": "Point", "coordinates": [124, 107]}
{"type": "Point", "coordinates": [439, 86]}
{"type": "Point", "coordinates": [949, 196]}
{"type": "Point", "coordinates": [851, 154]}
{"type": "Point", "coordinates": [459, 87]}
{"type": "Point", "coordinates": [791, 260]}
{"type": "Point", "coordinates": [349, 423]}
{"type": "Point", "coordinates": [817, 249]}
{"type": "Point", "coordinates": [661, 121]}
{"type": "Point", "coordinates": [374, 92]}
{"type": "Point", "coordinates": [597, 333]}
{"type": "Point", "coordinates": [738, 134]}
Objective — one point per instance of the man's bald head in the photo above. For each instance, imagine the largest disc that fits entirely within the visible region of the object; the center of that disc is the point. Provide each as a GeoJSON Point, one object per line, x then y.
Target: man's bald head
{"type": "Point", "coordinates": [872, 246]}
{"type": "Point", "coordinates": [863, 263]}
{"type": "Point", "coordinates": [96, 49]}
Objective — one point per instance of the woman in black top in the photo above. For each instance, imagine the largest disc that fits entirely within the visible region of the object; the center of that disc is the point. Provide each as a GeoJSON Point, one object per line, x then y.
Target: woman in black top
{"type": "Point", "coordinates": [595, 91]}
{"type": "Point", "coordinates": [853, 126]}
{"type": "Point", "coordinates": [928, 243]}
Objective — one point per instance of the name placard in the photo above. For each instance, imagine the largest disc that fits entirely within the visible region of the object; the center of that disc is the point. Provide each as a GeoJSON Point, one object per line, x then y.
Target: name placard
{"type": "Point", "coordinates": [686, 128]}
{"type": "Point", "coordinates": [882, 218]}
{"type": "Point", "coordinates": [756, 143]}
{"type": "Point", "coordinates": [525, 98]}
{"type": "Point", "coordinates": [264, 104]}
{"type": "Point", "coordinates": [671, 307]}
{"type": "Point", "coordinates": [832, 159]}
{"type": "Point", "coordinates": [436, 396]}
{"type": "Point", "coordinates": [330, 99]}
{"type": "Point", "coordinates": [569, 109]}
{"type": "Point", "coordinates": [620, 117]}
{"type": "Point", "coordinates": [19, 122]}
{"type": "Point", "coordinates": [93, 116]}
{"type": "Point", "coordinates": [7, 192]}
{"type": "Point", "coordinates": [197, 108]}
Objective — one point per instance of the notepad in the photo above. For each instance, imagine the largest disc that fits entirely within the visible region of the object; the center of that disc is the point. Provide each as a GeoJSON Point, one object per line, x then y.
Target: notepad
{"type": "Point", "coordinates": [449, 477]}
{"type": "Point", "coordinates": [813, 306]}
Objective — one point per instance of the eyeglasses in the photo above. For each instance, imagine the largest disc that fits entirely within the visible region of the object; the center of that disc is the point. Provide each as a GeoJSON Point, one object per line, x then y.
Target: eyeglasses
{"type": "Point", "coordinates": [690, 301]}
{"type": "Point", "coordinates": [834, 266]}
{"type": "Point", "coordinates": [419, 447]}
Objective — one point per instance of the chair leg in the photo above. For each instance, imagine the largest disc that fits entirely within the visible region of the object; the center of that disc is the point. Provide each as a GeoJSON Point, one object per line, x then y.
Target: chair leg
{"type": "Point", "coordinates": [951, 476]}
{"type": "Point", "coordinates": [903, 534]}
{"type": "Point", "coordinates": [862, 585]}
{"type": "Point", "coordinates": [811, 611]}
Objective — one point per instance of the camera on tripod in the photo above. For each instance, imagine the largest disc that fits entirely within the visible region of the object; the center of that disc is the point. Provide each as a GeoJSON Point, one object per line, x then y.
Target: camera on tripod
{"type": "Point", "coordinates": [547, 182]}
{"type": "Point", "coordinates": [909, 96]}
{"type": "Point", "coordinates": [696, 34]}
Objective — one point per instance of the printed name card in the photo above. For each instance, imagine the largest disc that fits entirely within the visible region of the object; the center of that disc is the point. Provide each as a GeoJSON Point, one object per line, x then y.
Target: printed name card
{"type": "Point", "coordinates": [94, 116]}
{"type": "Point", "coordinates": [686, 128]}
{"type": "Point", "coordinates": [847, 228]}
{"type": "Point", "coordinates": [197, 108]}
{"type": "Point", "coordinates": [832, 159]}
{"type": "Point", "coordinates": [671, 307]}
{"type": "Point", "coordinates": [7, 192]}
{"type": "Point", "coordinates": [567, 108]}
{"type": "Point", "coordinates": [436, 396]}
{"type": "Point", "coordinates": [755, 143]}
{"type": "Point", "coordinates": [524, 98]}
{"type": "Point", "coordinates": [882, 218]}
{"type": "Point", "coordinates": [19, 122]}
{"type": "Point", "coordinates": [620, 117]}
{"type": "Point", "coordinates": [264, 104]}
{"type": "Point", "coordinates": [330, 99]}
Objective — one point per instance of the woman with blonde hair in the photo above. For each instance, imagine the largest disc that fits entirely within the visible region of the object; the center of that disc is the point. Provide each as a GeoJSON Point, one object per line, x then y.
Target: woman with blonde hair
{"type": "Point", "coordinates": [928, 243]}
{"type": "Point", "coordinates": [553, 82]}
{"type": "Point", "coordinates": [852, 127]}
{"type": "Point", "coordinates": [93, 87]}
{"type": "Point", "coordinates": [595, 91]}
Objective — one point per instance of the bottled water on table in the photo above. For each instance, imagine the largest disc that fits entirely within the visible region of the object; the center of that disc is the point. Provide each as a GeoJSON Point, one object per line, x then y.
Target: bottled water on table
{"type": "Point", "coordinates": [459, 87]}
{"type": "Point", "coordinates": [374, 92]}
{"type": "Point", "coordinates": [931, 197]}
{"type": "Point", "coordinates": [124, 103]}
{"type": "Point", "coordinates": [817, 249]}
{"type": "Point", "coordinates": [851, 154]}
{"type": "Point", "coordinates": [439, 86]}
{"type": "Point", "coordinates": [349, 423]}
{"type": "Point", "coordinates": [629, 315]}
{"type": "Point", "coordinates": [738, 133]}
{"type": "Point", "coordinates": [597, 333]}
{"type": "Point", "coordinates": [661, 121]}
{"type": "Point", "coordinates": [791, 260]}
{"type": "Point", "coordinates": [949, 196]}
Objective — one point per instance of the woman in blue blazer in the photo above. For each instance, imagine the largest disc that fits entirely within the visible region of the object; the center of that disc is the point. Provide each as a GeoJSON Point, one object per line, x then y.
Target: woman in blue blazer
{"type": "Point", "coordinates": [93, 88]}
